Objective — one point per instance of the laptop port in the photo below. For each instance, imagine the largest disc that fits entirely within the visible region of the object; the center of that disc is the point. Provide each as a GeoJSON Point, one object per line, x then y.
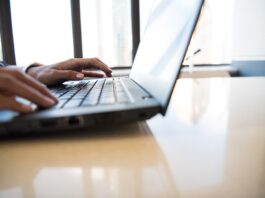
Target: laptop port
{"type": "Point", "coordinates": [74, 121]}
{"type": "Point", "coordinates": [105, 117]}
{"type": "Point", "coordinates": [48, 123]}
{"type": "Point", "coordinates": [142, 115]}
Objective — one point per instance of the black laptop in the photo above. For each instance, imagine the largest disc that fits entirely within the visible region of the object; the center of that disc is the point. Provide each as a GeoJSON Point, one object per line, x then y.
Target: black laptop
{"type": "Point", "coordinates": [140, 96]}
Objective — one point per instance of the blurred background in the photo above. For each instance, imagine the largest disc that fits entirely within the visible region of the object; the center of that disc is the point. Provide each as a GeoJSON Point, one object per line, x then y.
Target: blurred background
{"type": "Point", "coordinates": [42, 31]}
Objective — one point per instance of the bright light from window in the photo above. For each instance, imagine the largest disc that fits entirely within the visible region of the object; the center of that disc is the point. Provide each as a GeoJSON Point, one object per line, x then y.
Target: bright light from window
{"type": "Point", "coordinates": [213, 35]}
{"type": "Point", "coordinates": [42, 30]}
{"type": "Point", "coordinates": [106, 30]}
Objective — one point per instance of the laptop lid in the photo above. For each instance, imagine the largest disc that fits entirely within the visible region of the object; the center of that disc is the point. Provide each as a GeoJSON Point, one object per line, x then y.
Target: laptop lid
{"type": "Point", "coordinates": [164, 45]}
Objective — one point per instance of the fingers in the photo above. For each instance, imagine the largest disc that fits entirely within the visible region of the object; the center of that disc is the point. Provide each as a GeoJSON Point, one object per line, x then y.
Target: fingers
{"type": "Point", "coordinates": [92, 74]}
{"type": "Point", "coordinates": [98, 64]}
{"type": "Point", "coordinates": [10, 103]}
{"type": "Point", "coordinates": [78, 64]}
{"type": "Point", "coordinates": [36, 85]}
{"type": "Point", "coordinates": [60, 76]}
{"type": "Point", "coordinates": [20, 87]}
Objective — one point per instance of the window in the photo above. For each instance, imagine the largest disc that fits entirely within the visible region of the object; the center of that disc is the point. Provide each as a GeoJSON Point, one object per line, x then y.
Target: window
{"type": "Point", "coordinates": [213, 35]}
{"type": "Point", "coordinates": [42, 30]}
{"type": "Point", "coordinates": [106, 30]}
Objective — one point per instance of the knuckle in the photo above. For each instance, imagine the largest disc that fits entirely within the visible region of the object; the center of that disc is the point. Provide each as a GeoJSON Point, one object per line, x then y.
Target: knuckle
{"type": "Point", "coordinates": [52, 72]}
{"type": "Point", "coordinates": [72, 60]}
{"type": "Point", "coordinates": [38, 77]}
{"type": "Point", "coordinates": [35, 96]}
{"type": "Point", "coordinates": [7, 80]}
{"type": "Point", "coordinates": [7, 102]}
{"type": "Point", "coordinates": [17, 73]}
{"type": "Point", "coordinates": [71, 74]}
{"type": "Point", "coordinates": [95, 59]}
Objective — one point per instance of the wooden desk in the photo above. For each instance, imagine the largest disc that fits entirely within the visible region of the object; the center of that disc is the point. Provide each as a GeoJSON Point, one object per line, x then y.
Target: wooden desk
{"type": "Point", "coordinates": [210, 144]}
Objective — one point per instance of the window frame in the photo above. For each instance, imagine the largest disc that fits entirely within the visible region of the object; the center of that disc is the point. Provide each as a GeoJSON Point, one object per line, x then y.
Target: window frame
{"type": "Point", "coordinates": [7, 30]}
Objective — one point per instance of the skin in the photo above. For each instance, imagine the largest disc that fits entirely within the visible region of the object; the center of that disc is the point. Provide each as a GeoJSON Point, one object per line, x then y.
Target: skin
{"type": "Point", "coordinates": [32, 86]}
{"type": "Point", "coordinates": [72, 69]}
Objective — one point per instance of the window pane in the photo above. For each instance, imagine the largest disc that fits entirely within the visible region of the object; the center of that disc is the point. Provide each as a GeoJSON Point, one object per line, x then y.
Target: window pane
{"type": "Point", "coordinates": [106, 30]}
{"type": "Point", "coordinates": [42, 30]}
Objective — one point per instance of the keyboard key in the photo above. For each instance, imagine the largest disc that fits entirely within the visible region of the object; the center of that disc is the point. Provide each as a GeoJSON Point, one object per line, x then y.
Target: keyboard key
{"type": "Point", "coordinates": [122, 98]}
{"type": "Point", "coordinates": [89, 102]}
{"type": "Point", "coordinates": [107, 94]}
{"type": "Point", "coordinates": [59, 105]}
{"type": "Point", "coordinates": [107, 100]}
{"type": "Point", "coordinates": [72, 103]}
{"type": "Point", "coordinates": [91, 92]}
{"type": "Point", "coordinates": [93, 96]}
{"type": "Point", "coordinates": [79, 96]}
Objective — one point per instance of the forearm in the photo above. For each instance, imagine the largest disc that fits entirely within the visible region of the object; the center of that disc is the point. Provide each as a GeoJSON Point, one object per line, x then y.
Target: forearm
{"type": "Point", "coordinates": [22, 68]}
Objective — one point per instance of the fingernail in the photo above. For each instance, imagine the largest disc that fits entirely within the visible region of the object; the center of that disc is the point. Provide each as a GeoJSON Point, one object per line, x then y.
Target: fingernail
{"type": "Point", "coordinates": [27, 109]}
{"type": "Point", "coordinates": [80, 76]}
{"type": "Point", "coordinates": [55, 99]}
{"type": "Point", "coordinates": [33, 107]}
{"type": "Point", "coordinates": [49, 101]}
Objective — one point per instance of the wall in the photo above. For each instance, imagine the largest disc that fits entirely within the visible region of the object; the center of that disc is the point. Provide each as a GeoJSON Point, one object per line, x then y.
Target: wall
{"type": "Point", "coordinates": [249, 30]}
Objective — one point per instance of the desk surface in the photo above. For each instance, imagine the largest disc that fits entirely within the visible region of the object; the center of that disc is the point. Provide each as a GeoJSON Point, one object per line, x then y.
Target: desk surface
{"type": "Point", "coordinates": [210, 144]}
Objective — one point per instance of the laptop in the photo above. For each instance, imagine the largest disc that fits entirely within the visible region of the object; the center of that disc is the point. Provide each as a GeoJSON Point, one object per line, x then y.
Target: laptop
{"type": "Point", "coordinates": [145, 93]}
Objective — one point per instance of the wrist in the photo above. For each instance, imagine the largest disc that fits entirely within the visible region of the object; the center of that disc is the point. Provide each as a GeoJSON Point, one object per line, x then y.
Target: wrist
{"type": "Point", "coordinates": [28, 68]}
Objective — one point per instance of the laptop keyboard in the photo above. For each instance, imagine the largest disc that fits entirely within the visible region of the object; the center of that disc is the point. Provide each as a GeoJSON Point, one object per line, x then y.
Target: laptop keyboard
{"type": "Point", "coordinates": [90, 93]}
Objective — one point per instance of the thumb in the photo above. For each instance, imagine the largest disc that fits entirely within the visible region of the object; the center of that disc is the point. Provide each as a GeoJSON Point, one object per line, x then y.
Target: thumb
{"type": "Point", "coordinates": [10, 103]}
{"type": "Point", "coordinates": [64, 75]}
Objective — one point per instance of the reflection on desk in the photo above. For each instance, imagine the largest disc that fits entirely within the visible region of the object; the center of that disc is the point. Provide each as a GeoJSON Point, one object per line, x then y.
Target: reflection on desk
{"type": "Point", "coordinates": [211, 143]}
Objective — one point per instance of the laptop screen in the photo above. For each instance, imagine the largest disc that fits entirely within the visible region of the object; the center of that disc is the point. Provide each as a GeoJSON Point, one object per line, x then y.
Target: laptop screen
{"type": "Point", "coordinates": [163, 46]}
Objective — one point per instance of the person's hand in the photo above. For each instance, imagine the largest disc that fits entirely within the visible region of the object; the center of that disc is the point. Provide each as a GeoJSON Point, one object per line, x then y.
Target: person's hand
{"type": "Point", "coordinates": [13, 82]}
{"type": "Point", "coordinates": [72, 69]}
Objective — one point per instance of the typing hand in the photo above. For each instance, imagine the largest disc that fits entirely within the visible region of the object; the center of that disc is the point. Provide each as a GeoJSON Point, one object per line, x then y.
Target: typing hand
{"type": "Point", "coordinates": [72, 69]}
{"type": "Point", "coordinates": [13, 82]}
